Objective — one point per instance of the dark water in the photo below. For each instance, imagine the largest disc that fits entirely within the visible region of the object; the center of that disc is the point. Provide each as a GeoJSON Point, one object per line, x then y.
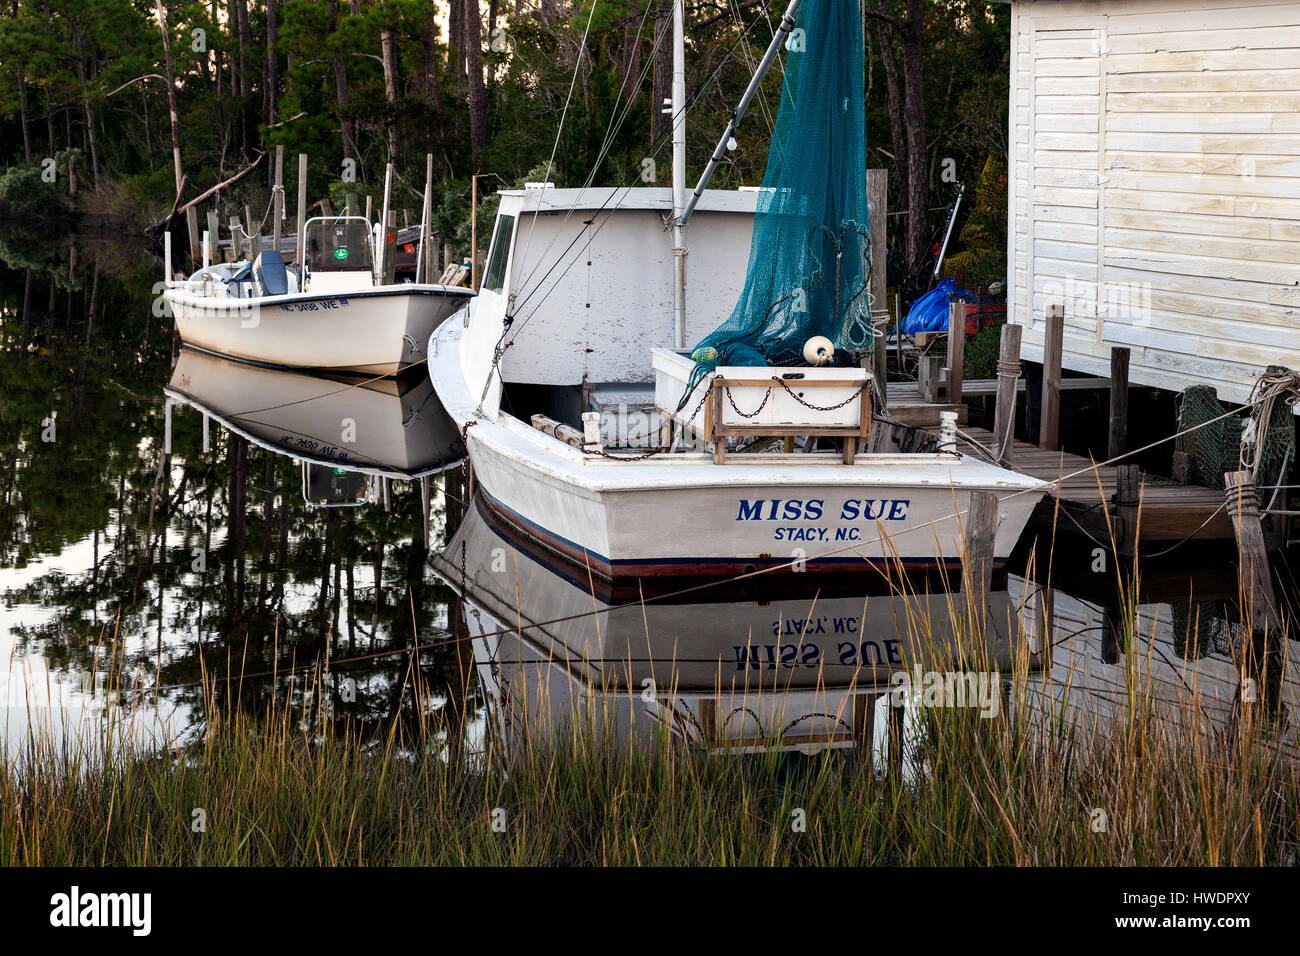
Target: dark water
{"type": "Point", "coordinates": [131, 576]}
{"type": "Point", "coordinates": [124, 568]}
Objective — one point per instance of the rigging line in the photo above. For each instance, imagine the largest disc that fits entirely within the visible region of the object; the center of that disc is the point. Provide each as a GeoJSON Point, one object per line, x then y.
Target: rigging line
{"type": "Point", "coordinates": [550, 163]}
{"type": "Point", "coordinates": [664, 140]}
{"type": "Point", "coordinates": [751, 63]}
{"type": "Point", "coordinates": [611, 131]}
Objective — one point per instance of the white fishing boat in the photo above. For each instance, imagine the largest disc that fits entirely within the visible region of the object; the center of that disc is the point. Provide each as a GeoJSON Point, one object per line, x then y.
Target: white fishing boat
{"type": "Point", "coordinates": [573, 338]}
{"type": "Point", "coordinates": [329, 312]}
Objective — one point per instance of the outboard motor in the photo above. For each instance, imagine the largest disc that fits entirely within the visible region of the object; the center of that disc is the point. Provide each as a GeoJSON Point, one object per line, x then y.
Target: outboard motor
{"type": "Point", "coordinates": [269, 273]}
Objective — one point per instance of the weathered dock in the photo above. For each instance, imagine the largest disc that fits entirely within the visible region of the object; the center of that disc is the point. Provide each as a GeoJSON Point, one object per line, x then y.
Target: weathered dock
{"type": "Point", "coordinates": [1088, 501]}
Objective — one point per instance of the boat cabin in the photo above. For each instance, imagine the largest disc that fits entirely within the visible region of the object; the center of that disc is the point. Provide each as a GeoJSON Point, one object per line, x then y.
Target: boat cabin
{"type": "Point", "coordinates": [338, 254]}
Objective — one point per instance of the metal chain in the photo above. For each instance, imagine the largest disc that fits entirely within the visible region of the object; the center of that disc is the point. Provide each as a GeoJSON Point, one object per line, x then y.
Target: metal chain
{"type": "Point", "coordinates": [818, 408]}
{"type": "Point", "coordinates": [732, 402]}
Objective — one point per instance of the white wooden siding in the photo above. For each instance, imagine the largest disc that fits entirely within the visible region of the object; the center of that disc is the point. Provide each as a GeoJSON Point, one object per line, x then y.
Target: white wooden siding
{"type": "Point", "coordinates": [1155, 185]}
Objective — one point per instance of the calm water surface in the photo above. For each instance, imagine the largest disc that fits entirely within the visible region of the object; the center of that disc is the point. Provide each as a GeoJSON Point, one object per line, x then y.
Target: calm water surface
{"type": "Point", "coordinates": [128, 575]}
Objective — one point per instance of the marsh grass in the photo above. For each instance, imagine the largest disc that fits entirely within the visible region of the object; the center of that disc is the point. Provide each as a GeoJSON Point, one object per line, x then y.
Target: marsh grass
{"type": "Point", "coordinates": [1060, 776]}
{"type": "Point", "coordinates": [289, 788]}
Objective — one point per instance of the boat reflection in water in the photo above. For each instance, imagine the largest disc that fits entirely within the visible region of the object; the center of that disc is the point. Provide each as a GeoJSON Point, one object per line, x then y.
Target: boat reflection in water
{"type": "Point", "coordinates": [795, 662]}
{"type": "Point", "coordinates": [337, 426]}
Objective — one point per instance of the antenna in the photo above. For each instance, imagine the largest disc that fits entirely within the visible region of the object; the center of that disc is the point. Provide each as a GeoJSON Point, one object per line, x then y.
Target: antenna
{"type": "Point", "coordinates": [679, 173]}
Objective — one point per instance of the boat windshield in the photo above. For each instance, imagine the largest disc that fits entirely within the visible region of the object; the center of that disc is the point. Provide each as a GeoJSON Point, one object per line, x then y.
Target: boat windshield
{"type": "Point", "coordinates": [338, 245]}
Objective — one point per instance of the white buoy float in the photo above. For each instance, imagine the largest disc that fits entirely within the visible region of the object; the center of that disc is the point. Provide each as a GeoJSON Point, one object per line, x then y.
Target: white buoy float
{"type": "Point", "coordinates": [818, 350]}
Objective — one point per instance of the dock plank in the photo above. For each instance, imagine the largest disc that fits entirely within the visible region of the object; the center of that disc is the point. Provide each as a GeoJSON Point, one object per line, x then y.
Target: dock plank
{"type": "Point", "coordinates": [1170, 512]}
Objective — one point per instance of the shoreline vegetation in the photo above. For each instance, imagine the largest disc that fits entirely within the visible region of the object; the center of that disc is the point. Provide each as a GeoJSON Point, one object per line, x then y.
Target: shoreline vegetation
{"type": "Point", "coordinates": [116, 113]}
{"type": "Point", "coordinates": [1152, 784]}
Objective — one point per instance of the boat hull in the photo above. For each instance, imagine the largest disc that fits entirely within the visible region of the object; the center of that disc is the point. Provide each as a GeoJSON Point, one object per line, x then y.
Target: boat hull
{"type": "Point", "coordinates": [682, 515]}
{"type": "Point", "coordinates": [379, 331]}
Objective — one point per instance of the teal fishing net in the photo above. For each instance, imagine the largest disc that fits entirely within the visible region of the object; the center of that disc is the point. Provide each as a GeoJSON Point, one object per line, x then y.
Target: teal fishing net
{"type": "Point", "coordinates": [809, 260]}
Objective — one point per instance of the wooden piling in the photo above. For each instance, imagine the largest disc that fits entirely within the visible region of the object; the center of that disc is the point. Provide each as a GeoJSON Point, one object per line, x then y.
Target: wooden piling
{"type": "Point", "coordinates": [424, 264]}
{"type": "Point", "coordinates": [300, 242]}
{"type": "Point", "coordinates": [1004, 427]}
{"type": "Point", "coordinates": [956, 347]}
{"type": "Point", "coordinates": [192, 225]}
{"type": "Point", "coordinates": [898, 328]}
{"type": "Point", "coordinates": [981, 530]}
{"type": "Point", "coordinates": [1128, 501]}
{"type": "Point", "coordinates": [390, 248]}
{"type": "Point", "coordinates": [1049, 428]}
{"type": "Point", "coordinates": [254, 241]}
{"type": "Point", "coordinates": [1119, 359]}
{"type": "Point", "coordinates": [928, 372]}
{"type": "Point", "coordinates": [1256, 583]}
{"type": "Point", "coordinates": [1260, 615]}
{"type": "Point", "coordinates": [277, 198]}
{"type": "Point", "coordinates": [473, 232]}
{"type": "Point", "coordinates": [877, 288]}
{"type": "Point", "coordinates": [214, 235]}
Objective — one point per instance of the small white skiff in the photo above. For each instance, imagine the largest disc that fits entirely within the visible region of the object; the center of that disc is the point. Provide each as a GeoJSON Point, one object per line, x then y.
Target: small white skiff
{"type": "Point", "coordinates": [330, 316]}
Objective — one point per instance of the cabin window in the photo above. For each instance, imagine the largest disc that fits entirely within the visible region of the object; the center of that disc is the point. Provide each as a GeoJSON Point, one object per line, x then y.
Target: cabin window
{"type": "Point", "coordinates": [494, 279]}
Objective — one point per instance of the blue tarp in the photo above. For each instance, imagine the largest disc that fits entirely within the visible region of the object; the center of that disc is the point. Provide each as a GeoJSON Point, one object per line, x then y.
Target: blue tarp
{"type": "Point", "coordinates": [930, 312]}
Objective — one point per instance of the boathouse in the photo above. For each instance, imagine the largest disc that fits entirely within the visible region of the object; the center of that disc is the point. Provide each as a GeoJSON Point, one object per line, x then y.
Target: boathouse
{"type": "Point", "coordinates": [1154, 167]}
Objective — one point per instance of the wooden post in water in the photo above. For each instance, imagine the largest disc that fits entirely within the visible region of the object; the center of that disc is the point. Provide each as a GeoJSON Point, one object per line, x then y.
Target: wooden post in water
{"type": "Point", "coordinates": [1259, 608]}
{"type": "Point", "coordinates": [877, 289]}
{"type": "Point", "coordinates": [473, 232]}
{"type": "Point", "coordinates": [956, 347]}
{"type": "Point", "coordinates": [898, 328]}
{"type": "Point", "coordinates": [277, 198]}
{"type": "Point", "coordinates": [236, 238]}
{"type": "Point", "coordinates": [1049, 428]}
{"type": "Point", "coordinates": [1128, 503]}
{"type": "Point", "coordinates": [1118, 403]}
{"type": "Point", "coordinates": [390, 248]}
{"type": "Point", "coordinates": [1004, 421]}
{"type": "Point", "coordinates": [254, 242]}
{"type": "Point", "coordinates": [300, 240]}
{"type": "Point", "coordinates": [192, 224]}
{"type": "Point", "coordinates": [1256, 583]}
{"type": "Point", "coordinates": [981, 530]}
{"type": "Point", "coordinates": [214, 236]}
{"type": "Point", "coordinates": [424, 252]}
{"type": "Point", "coordinates": [928, 370]}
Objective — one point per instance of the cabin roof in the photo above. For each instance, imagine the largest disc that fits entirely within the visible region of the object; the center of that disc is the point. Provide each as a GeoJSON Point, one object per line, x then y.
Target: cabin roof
{"type": "Point", "coordinates": [656, 198]}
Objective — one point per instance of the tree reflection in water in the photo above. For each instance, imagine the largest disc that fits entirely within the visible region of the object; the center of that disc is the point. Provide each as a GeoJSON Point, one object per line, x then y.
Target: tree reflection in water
{"type": "Point", "coordinates": [153, 572]}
